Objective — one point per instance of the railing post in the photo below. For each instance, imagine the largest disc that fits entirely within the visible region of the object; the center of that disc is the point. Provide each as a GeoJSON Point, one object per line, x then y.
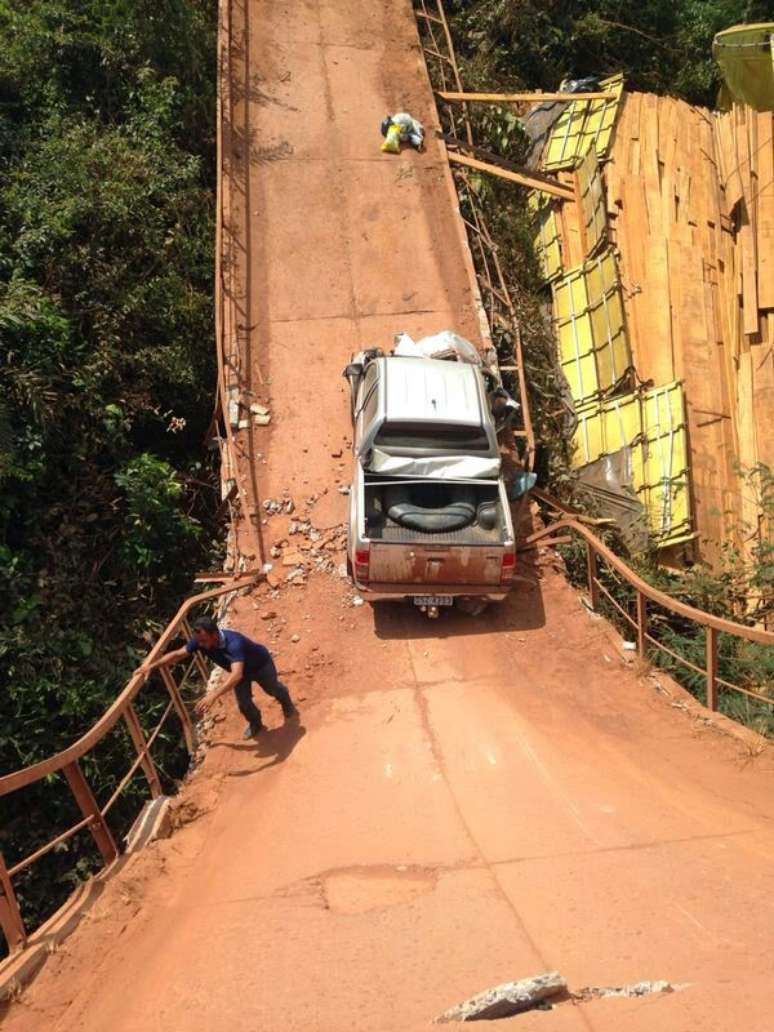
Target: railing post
{"type": "Point", "coordinates": [712, 668]}
{"type": "Point", "coordinates": [182, 712]}
{"type": "Point", "coordinates": [88, 804]}
{"type": "Point", "coordinates": [137, 734]}
{"type": "Point", "coordinates": [11, 920]}
{"type": "Point", "coordinates": [591, 573]}
{"type": "Point", "coordinates": [642, 625]}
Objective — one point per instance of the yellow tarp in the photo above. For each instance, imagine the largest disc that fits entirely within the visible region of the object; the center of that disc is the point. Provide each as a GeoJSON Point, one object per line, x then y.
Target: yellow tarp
{"type": "Point", "coordinates": [582, 125]}
{"type": "Point", "coordinates": [548, 238]}
{"type": "Point", "coordinates": [605, 427]}
{"type": "Point", "coordinates": [745, 54]}
{"type": "Point", "coordinates": [591, 194]}
{"type": "Point", "coordinates": [588, 313]}
{"type": "Point", "coordinates": [662, 479]}
{"type": "Point", "coordinates": [651, 424]}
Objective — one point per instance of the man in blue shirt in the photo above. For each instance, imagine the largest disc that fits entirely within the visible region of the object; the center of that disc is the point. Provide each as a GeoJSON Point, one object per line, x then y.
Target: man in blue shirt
{"type": "Point", "coordinates": [246, 661]}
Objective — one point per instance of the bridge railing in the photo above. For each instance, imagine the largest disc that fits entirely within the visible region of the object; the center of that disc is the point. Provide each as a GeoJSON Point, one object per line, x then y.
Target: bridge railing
{"type": "Point", "coordinates": [597, 552]}
{"type": "Point", "coordinates": [94, 817]}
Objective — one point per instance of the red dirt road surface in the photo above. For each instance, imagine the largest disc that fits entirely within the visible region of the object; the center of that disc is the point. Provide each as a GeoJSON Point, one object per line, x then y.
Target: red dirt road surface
{"type": "Point", "coordinates": [467, 801]}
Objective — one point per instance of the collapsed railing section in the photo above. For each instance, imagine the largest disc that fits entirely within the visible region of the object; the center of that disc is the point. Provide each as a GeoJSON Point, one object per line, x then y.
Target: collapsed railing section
{"type": "Point", "coordinates": [646, 605]}
{"type": "Point", "coordinates": [93, 816]}
{"type": "Point", "coordinates": [436, 40]}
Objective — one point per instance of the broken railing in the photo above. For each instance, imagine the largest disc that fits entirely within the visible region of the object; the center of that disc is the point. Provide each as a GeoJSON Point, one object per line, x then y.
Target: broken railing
{"type": "Point", "coordinates": [645, 598]}
{"type": "Point", "coordinates": [94, 817]}
{"type": "Point", "coordinates": [441, 61]}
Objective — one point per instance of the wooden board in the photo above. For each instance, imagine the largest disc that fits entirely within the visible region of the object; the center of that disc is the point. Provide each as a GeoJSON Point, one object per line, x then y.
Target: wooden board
{"type": "Point", "coordinates": [765, 214]}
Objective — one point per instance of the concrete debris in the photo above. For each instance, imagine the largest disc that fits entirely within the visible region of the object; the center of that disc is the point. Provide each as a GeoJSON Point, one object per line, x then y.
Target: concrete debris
{"type": "Point", "coordinates": [261, 415]}
{"type": "Point", "coordinates": [503, 1001]}
{"type": "Point", "coordinates": [358, 601]}
{"type": "Point", "coordinates": [233, 413]}
{"type": "Point", "coordinates": [306, 549]}
{"type": "Point", "coordinates": [544, 992]}
{"type": "Point", "coordinates": [154, 822]}
{"type": "Point", "coordinates": [292, 559]}
{"type": "Point", "coordinates": [628, 992]}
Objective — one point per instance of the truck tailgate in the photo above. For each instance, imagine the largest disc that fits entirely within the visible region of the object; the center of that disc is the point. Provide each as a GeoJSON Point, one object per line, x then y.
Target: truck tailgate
{"type": "Point", "coordinates": [423, 565]}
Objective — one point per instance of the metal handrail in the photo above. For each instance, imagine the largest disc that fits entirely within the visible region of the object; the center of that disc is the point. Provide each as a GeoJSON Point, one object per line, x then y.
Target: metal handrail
{"type": "Point", "coordinates": [596, 549]}
{"type": "Point", "coordinates": [67, 761]}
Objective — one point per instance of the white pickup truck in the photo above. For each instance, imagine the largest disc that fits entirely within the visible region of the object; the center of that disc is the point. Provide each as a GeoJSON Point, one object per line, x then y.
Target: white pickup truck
{"type": "Point", "coordinates": [429, 519]}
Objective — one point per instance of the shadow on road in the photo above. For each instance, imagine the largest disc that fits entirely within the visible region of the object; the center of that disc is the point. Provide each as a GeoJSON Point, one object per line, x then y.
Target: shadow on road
{"type": "Point", "coordinates": [522, 611]}
{"type": "Point", "coordinates": [275, 745]}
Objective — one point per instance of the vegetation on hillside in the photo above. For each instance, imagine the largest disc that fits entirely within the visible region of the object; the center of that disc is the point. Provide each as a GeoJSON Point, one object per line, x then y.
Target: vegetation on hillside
{"type": "Point", "coordinates": [107, 126]}
{"type": "Point", "coordinates": [661, 46]}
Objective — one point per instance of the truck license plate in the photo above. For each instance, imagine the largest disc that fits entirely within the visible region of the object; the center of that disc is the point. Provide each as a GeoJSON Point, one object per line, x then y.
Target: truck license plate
{"type": "Point", "coordinates": [433, 600]}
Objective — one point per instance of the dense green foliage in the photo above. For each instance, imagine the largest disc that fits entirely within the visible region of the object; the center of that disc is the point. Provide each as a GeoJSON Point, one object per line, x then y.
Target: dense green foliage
{"type": "Point", "coordinates": [107, 126]}
{"type": "Point", "coordinates": [661, 46]}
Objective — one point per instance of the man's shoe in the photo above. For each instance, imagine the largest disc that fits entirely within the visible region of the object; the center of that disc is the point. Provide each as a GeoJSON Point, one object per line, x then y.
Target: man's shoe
{"type": "Point", "coordinates": [252, 730]}
{"type": "Point", "coordinates": [289, 711]}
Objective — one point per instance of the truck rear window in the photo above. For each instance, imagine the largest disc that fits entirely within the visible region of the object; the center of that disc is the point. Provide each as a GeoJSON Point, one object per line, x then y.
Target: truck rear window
{"type": "Point", "coordinates": [437, 438]}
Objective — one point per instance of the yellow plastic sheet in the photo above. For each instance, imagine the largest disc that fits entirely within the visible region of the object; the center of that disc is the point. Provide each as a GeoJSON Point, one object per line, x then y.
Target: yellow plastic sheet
{"type": "Point", "coordinates": [588, 312]}
{"type": "Point", "coordinates": [548, 238]}
{"type": "Point", "coordinates": [606, 427]}
{"type": "Point", "coordinates": [745, 54]}
{"type": "Point", "coordinates": [663, 481]}
{"type": "Point", "coordinates": [584, 124]}
{"type": "Point", "coordinates": [651, 424]}
{"type": "Point", "coordinates": [591, 194]}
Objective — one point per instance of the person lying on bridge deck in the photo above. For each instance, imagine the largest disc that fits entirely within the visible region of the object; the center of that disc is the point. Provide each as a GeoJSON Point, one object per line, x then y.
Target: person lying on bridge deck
{"type": "Point", "coordinates": [246, 660]}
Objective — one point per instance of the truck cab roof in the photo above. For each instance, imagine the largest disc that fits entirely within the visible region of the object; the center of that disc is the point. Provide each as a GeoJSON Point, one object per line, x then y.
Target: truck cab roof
{"type": "Point", "coordinates": [424, 417]}
{"type": "Point", "coordinates": [429, 390]}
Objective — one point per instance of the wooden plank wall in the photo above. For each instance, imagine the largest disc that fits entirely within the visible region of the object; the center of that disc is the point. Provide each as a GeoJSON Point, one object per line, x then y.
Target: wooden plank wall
{"type": "Point", "coordinates": [690, 197]}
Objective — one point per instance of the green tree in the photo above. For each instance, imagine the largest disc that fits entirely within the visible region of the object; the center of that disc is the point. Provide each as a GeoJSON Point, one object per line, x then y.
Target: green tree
{"type": "Point", "coordinates": [107, 376]}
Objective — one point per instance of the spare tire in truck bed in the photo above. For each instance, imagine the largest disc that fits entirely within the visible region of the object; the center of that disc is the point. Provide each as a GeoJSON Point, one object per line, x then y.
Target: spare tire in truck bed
{"type": "Point", "coordinates": [431, 508]}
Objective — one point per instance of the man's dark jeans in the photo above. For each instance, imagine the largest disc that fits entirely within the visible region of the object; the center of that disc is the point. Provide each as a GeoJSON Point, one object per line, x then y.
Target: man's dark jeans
{"type": "Point", "coordinates": [268, 679]}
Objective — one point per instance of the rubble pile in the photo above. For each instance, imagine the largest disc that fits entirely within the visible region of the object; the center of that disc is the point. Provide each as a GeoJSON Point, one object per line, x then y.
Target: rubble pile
{"type": "Point", "coordinates": [302, 549]}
